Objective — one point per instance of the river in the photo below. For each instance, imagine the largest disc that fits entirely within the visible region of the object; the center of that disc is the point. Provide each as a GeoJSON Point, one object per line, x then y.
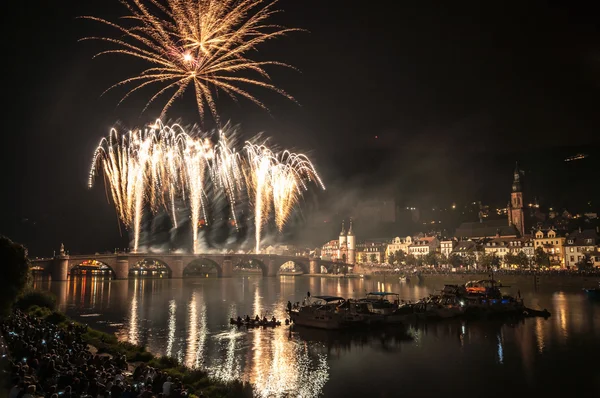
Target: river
{"type": "Point", "coordinates": [189, 319]}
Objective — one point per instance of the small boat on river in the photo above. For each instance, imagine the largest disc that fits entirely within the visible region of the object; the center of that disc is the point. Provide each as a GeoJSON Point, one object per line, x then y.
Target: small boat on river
{"type": "Point", "coordinates": [252, 323]}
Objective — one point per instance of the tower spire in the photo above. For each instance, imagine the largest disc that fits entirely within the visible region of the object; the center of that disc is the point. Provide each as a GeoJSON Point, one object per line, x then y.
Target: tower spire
{"type": "Point", "coordinates": [343, 231]}
{"type": "Point", "coordinates": [516, 186]}
{"type": "Point", "coordinates": [350, 232]}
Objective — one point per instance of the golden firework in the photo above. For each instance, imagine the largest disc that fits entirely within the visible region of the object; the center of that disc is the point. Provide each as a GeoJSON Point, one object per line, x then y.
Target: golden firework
{"type": "Point", "coordinates": [199, 43]}
{"type": "Point", "coordinates": [157, 166]}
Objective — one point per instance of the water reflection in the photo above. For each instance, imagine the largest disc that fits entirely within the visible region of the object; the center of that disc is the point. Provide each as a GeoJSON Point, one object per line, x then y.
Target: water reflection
{"type": "Point", "coordinates": [173, 317]}
{"type": "Point", "coordinates": [172, 325]}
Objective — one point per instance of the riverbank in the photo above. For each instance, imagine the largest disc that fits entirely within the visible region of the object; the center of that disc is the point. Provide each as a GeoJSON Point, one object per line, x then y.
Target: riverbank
{"type": "Point", "coordinates": [518, 280]}
{"type": "Point", "coordinates": [122, 355]}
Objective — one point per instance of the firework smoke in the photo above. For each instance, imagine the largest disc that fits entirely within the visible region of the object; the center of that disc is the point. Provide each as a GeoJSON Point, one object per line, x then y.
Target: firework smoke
{"type": "Point", "coordinates": [155, 167]}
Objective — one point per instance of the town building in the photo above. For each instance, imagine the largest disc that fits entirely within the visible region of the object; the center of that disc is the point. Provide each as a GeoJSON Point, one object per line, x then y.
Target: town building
{"type": "Point", "coordinates": [425, 245]}
{"type": "Point", "coordinates": [371, 252]}
{"type": "Point", "coordinates": [446, 247]}
{"type": "Point", "coordinates": [330, 250]}
{"type": "Point", "coordinates": [398, 244]}
{"type": "Point", "coordinates": [468, 248]}
{"type": "Point", "coordinates": [501, 246]}
{"type": "Point", "coordinates": [579, 245]}
{"type": "Point", "coordinates": [552, 242]}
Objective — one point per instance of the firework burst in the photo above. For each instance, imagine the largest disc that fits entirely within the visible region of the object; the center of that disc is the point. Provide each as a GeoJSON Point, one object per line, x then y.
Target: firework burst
{"type": "Point", "coordinates": [155, 167]}
{"type": "Point", "coordinates": [198, 44]}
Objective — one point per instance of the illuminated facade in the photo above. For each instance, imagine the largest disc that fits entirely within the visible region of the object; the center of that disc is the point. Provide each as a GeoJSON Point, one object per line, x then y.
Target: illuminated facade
{"type": "Point", "coordinates": [398, 244]}
{"type": "Point", "coordinates": [371, 252]}
{"type": "Point", "coordinates": [425, 245]}
{"type": "Point", "coordinates": [552, 242]}
{"type": "Point", "coordinates": [580, 245]}
{"type": "Point", "coordinates": [515, 207]}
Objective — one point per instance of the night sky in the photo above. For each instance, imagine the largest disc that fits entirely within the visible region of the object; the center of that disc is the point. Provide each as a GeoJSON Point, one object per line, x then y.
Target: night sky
{"type": "Point", "coordinates": [430, 102]}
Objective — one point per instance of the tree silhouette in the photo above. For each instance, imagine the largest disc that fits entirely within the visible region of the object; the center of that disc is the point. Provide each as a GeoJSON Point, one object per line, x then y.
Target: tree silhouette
{"type": "Point", "coordinates": [15, 272]}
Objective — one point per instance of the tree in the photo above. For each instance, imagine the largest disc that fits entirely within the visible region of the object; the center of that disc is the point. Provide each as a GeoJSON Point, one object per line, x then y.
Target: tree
{"type": "Point", "coordinates": [510, 259]}
{"type": "Point", "coordinates": [411, 260]}
{"type": "Point", "coordinates": [542, 259]}
{"type": "Point", "coordinates": [455, 260]}
{"type": "Point", "coordinates": [344, 257]}
{"type": "Point", "coordinates": [585, 263]}
{"type": "Point", "coordinates": [431, 259]}
{"type": "Point", "coordinates": [469, 259]}
{"type": "Point", "coordinates": [363, 258]}
{"type": "Point", "coordinates": [489, 261]}
{"type": "Point", "coordinates": [443, 259]}
{"type": "Point", "coordinates": [391, 258]}
{"type": "Point", "coordinates": [15, 272]}
{"type": "Point", "coordinates": [522, 260]}
{"type": "Point", "coordinates": [373, 257]}
{"type": "Point", "coordinates": [400, 256]}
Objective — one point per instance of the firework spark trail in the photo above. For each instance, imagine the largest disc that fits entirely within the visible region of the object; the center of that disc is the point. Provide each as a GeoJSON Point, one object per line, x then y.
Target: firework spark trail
{"type": "Point", "coordinates": [202, 44]}
{"type": "Point", "coordinates": [154, 168]}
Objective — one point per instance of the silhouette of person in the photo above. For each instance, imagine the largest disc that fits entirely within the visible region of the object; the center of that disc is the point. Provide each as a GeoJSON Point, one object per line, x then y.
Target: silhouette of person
{"type": "Point", "coordinates": [308, 294]}
{"type": "Point", "coordinates": [289, 305]}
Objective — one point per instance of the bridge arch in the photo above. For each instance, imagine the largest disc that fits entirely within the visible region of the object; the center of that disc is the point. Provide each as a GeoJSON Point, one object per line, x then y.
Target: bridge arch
{"type": "Point", "coordinates": [293, 267]}
{"type": "Point", "coordinates": [150, 267]}
{"type": "Point", "coordinates": [91, 267]}
{"type": "Point", "coordinates": [203, 267]}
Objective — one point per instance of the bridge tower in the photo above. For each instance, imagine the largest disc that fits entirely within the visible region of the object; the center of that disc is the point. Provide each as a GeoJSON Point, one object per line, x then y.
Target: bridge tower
{"type": "Point", "coordinates": [351, 239]}
{"type": "Point", "coordinates": [59, 270]}
{"type": "Point", "coordinates": [342, 253]}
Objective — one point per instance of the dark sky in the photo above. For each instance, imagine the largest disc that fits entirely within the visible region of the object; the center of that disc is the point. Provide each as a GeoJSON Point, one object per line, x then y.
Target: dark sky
{"type": "Point", "coordinates": [455, 93]}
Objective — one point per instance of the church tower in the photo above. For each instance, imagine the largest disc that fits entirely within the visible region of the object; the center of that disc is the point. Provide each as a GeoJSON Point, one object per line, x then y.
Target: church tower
{"type": "Point", "coordinates": [515, 209]}
{"type": "Point", "coordinates": [351, 246]}
{"type": "Point", "coordinates": [343, 245]}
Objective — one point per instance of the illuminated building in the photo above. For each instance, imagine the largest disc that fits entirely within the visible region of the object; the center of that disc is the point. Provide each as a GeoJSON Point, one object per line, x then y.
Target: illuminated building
{"type": "Point", "coordinates": [398, 244]}
{"type": "Point", "coordinates": [425, 245]}
{"type": "Point", "coordinates": [342, 249]}
{"type": "Point", "coordinates": [581, 244]}
{"type": "Point", "coordinates": [552, 242]}
{"type": "Point", "coordinates": [371, 252]}
{"type": "Point", "coordinates": [446, 246]}
{"type": "Point", "coordinates": [515, 207]}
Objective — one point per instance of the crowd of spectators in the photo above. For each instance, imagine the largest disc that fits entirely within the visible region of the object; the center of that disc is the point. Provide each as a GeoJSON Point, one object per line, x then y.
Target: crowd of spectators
{"type": "Point", "coordinates": [43, 360]}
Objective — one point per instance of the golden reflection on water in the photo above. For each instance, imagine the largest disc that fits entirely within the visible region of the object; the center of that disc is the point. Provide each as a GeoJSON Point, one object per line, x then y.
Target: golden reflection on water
{"type": "Point", "coordinates": [281, 365]}
{"type": "Point", "coordinates": [228, 369]}
{"type": "Point", "coordinates": [561, 308]}
{"type": "Point", "coordinates": [171, 327]}
{"type": "Point", "coordinates": [133, 315]}
{"type": "Point", "coordinates": [197, 331]}
{"type": "Point", "coordinates": [539, 333]}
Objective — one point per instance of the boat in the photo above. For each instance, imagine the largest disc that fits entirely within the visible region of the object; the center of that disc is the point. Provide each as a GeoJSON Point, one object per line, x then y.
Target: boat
{"type": "Point", "coordinates": [380, 302]}
{"type": "Point", "coordinates": [320, 312]}
{"type": "Point", "coordinates": [254, 324]}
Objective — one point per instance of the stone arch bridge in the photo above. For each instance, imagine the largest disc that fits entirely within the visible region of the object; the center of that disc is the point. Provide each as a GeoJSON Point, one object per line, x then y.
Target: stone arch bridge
{"type": "Point", "coordinates": [60, 267]}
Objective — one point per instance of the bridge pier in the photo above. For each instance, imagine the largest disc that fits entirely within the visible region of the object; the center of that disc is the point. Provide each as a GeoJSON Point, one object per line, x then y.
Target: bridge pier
{"type": "Point", "coordinates": [227, 268]}
{"type": "Point", "coordinates": [314, 267]}
{"type": "Point", "coordinates": [121, 269]}
{"type": "Point", "coordinates": [272, 268]}
{"type": "Point", "coordinates": [176, 268]}
{"type": "Point", "coordinates": [59, 270]}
